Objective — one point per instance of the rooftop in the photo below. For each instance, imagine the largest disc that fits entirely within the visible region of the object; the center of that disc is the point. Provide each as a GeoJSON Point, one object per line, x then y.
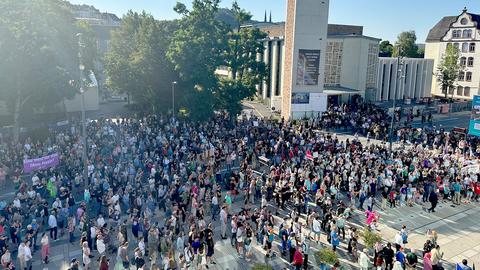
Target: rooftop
{"type": "Point", "coordinates": [442, 27]}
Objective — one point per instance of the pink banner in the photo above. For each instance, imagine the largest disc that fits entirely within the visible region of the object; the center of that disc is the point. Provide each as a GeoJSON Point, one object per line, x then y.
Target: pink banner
{"type": "Point", "coordinates": [40, 163]}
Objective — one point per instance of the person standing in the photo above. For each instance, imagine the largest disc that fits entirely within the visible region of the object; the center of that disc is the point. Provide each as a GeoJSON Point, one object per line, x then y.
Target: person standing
{"type": "Point", "coordinates": [223, 222]}
{"type": "Point", "coordinates": [28, 256]}
{"type": "Point", "coordinates": [21, 256]}
{"type": "Point", "coordinates": [411, 260]}
{"type": "Point", "coordinates": [464, 265]}
{"type": "Point", "coordinates": [433, 198]}
{"type": "Point", "coordinates": [45, 247]}
{"type": "Point", "coordinates": [388, 255]}
{"type": "Point", "coordinates": [52, 224]}
{"type": "Point", "coordinates": [437, 256]}
{"type": "Point", "coordinates": [363, 260]}
{"type": "Point", "coordinates": [86, 255]}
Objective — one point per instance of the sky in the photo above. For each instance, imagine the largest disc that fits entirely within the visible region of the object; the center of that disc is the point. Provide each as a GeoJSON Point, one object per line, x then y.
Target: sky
{"type": "Point", "coordinates": [383, 19]}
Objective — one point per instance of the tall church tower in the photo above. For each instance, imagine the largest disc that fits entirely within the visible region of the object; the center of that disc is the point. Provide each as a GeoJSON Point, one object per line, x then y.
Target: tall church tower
{"type": "Point", "coordinates": [305, 45]}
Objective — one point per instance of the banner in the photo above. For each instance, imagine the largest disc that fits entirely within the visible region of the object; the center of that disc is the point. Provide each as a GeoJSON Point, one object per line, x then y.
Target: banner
{"type": "Point", "coordinates": [474, 126]}
{"type": "Point", "coordinates": [308, 64]}
{"type": "Point", "coordinates": [42, 163]}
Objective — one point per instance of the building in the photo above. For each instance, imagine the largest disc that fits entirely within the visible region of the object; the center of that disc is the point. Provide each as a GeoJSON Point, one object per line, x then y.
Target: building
{"type": "Point", "coordinates": [415, 82]}
{"type": "Point", "coordinates": [347, 64]}
{"type": "Point", "coordinates": [463, 32]}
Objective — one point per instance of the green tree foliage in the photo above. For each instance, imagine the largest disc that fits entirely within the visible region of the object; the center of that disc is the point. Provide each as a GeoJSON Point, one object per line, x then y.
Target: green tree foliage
{"type": "Point", "coordinates": [386, 49]}
{"type": "Point", "coordinates": [39, 55]}
{"type": "Point", "coordinates": [89, 46]}
{"type": "Point", "coordinates": [136, 63]}
{"type": "Point", "coordinates": [196, 51]}
{"type": "Point", "coordinates": [448, 69]}
{"type": "Point", "coordinates": [406, 43]}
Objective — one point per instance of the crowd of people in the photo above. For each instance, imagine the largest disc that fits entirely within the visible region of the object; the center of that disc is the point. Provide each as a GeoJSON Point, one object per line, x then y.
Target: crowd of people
{"type": "Point", "coordinates": [156, 187]}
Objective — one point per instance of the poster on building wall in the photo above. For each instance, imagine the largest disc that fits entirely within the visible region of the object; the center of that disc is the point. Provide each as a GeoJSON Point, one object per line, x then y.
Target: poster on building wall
{"type": "Point", "coordinates": [300, 98]}
{"type": "Point", "coordinates": [474, 126]}
{"type": "Point", "coordinates": [308, 67]}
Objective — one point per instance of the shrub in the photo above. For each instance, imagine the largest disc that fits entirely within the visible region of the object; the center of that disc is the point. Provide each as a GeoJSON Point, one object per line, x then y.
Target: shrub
{"type": "Point", "coordinates": [262, 266]}
{"type": "Point", "coordinates": [370, 238]}
{"type": "Point", "coordinates": [326, 256]}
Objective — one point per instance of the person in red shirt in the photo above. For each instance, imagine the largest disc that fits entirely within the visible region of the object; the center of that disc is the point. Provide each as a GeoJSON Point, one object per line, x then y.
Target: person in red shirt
{"type": "Point", "coordinates": [476, 191]}
{"type": "Point", "coordinates": [298, 259]}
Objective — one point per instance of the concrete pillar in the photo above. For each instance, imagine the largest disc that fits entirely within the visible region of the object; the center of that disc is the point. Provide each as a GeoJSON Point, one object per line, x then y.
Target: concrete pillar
{"type": "Point", "coordinates": [258, 86]}
{"type": "Point", "coordinates": [266, 60]}
{"type": "Point", "coordinates": [274, 69]}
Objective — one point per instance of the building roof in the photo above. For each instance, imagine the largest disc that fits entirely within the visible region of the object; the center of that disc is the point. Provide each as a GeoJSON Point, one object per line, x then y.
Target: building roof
{"type": "Point", "coordinates": [442, 27]}
{"type": "Point", "coordinates": [278, 29]}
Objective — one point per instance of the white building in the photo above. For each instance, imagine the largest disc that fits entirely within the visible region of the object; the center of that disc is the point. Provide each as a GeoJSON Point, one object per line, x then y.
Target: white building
{"type": "Point", "coordinates": [349, 68]}
{"type": "Point", "coordinates": [415, 79]}
{"type": "Point", "coordinates": [463, 32]}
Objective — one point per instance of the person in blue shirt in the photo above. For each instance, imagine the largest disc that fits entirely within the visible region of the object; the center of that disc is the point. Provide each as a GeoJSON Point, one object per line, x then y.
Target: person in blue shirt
{"type": "Point", "coordinates": [463, 265]}
{"type": "Point", "coordinates": [400, 257]}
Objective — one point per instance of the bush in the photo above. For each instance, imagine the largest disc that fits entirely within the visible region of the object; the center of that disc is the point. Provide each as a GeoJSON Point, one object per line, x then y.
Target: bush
{"type": "Point", "coordinates": [370, 238]}
{"type": "Point", "coordinates": [262, 266]}
{"type": "Point", "coordinates": [326, 256]}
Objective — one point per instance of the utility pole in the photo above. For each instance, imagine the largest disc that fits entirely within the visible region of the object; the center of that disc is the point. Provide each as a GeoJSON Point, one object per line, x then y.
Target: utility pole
{"type": "Point", "coordinates": [81, 67]}
{"type": "Point", "coordinates": [399, 77]}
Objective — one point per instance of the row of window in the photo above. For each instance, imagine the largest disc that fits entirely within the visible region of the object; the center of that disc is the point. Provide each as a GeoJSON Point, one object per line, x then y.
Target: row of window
{"type": "Point", "coordinates": [464, 61]}
{"type": "Point", "coordinates": [467, 33]}
{"type": "Point", "coordinates": [465, 76]}
{"type": "Point", "coordinates": [461, 91]}
{"type": "Point", "coordinates": [466, 47]}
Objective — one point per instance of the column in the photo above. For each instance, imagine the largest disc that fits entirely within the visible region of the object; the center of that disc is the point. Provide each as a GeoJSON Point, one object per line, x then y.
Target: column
{"type": "Point", "coordinates": [267, 63]}
{"type": "Point", "coordinates": [274, 70]}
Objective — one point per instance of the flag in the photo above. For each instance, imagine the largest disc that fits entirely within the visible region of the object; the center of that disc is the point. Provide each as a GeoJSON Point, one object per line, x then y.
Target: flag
{"type": "Point", "coordinates": [458, 267]}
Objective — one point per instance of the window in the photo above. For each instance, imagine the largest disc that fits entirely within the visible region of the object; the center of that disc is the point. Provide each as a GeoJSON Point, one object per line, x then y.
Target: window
{"type": "Point", "coordinates": [463, 61]}
{"type": "Point", "coordinates": [472, 47]}
{"type": "Point", "coordinates": [461, 76]}
{"type": "Point", "coordinates": [459, 91]}
{"type": "Point", "coordinates": [444, 89]}
{"type": "Point", "coordinates": [463, 21]}
{"type": "Point", "coordinates": [468, 76]}
{"type": "Point", "coordinates": [465, 47]}
{"type": "Point", "coordinates": [466, 91]}
{"type": "Point", "coordinates": [449, 44]}
{"type": "Point", "coordinates": [456, 33]}
{"type": "Point", "coordinates": [450, 90]}
{"type": "Point", "coordinates": [456, 45]}
{"type": "Point", "coordinates": [470, 62]}
{"type": "Point", "coordinates": [467, 33]}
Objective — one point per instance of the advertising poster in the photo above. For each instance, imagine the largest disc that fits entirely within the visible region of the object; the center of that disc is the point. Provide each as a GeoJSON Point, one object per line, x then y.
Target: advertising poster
{"type": "Point", "coordinates": [474, 126]}
{"type": "Point", "coordinates": [300, 98]}
{"type": "Point", "coordinates": [308, 67]}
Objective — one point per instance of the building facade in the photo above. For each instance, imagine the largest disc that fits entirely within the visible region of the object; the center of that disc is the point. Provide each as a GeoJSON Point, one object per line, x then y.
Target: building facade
{"type": "Point", "coordinates": [463, 32]}
{"type": "Point", "coordinates": [350, 67]}
{"type": "Point", "coordinates": [411, 80]}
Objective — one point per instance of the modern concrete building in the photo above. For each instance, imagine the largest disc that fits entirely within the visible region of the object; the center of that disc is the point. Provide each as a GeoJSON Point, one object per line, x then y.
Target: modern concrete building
{"type": "Point", "coordinates": [463, 32]}
{"type": "Point", "coordinates": [303, 65]}
{"type": "Point", "coordinates": [347, 64]}
{"type": "Point", "coordinates": [415, 79]}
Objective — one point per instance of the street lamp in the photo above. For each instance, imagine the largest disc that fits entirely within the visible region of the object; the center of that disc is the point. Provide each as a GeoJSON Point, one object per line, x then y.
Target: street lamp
{"type": "Point", "coordinates": [173, 98]}
{"type": "Point", "coordinates": [81, 67]}
{"type": "Point", "coordinates": [399, 77]}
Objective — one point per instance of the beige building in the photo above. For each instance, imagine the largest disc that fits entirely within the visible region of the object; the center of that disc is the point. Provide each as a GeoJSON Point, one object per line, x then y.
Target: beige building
{"type": "Point", "coordinates": [463, 32]}
{"type": "Point", "coordinates": [415, 79]}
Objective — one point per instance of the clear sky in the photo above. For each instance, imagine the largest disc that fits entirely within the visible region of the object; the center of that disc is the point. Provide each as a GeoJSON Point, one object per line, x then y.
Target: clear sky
{"type": "Point", "coordinates": [381, 18]}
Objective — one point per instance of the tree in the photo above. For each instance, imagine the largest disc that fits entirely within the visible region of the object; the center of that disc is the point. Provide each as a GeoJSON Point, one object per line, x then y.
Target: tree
{"type": "Point", "coordinates": [448, 69]}
{"type": "Point", "coordinates": [136, 64]}
{"type": "Point", "coordinates": [406, 43]}
{"type": "Point", "coordinates": [39, 55]}
{"type": "Point", "coordinates": [196, 51]}
{"type": "Point", "coordinates": [386, 49]}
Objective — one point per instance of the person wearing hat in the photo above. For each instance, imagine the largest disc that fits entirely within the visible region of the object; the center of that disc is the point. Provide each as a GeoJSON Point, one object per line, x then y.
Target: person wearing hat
{"type": "Point", "coordinates": [74, 264]}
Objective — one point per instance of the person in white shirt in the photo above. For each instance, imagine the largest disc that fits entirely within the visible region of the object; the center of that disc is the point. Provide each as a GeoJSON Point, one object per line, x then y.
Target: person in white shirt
{"type": "Point", "coordinates": [100, 245]}
{"type": "Point", "coordinates": [28, 256]}
{"type": "Point", "coordinates": [57, 204]}
{"type": "Point", "coordinates": [223, 222]}
{"type": "Point", "coordinates": [21, 256]}
{"type": "Point", "coordinates": [52, 224]}
{"type": "Point", "coordinates": [316, 228]}
{"type": "Point", "coordinates": [100, 221]}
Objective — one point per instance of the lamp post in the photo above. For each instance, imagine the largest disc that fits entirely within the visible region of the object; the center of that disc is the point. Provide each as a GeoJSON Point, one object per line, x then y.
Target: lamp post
{"type": "Point", "coordinates": [173, 98]}
{"type": "Point", "coordinates": [81, 67]}
{"type": "Point", "coordinates": [399, 77]}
